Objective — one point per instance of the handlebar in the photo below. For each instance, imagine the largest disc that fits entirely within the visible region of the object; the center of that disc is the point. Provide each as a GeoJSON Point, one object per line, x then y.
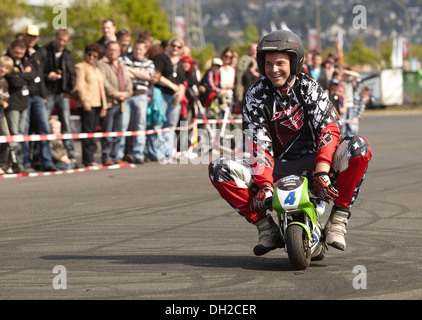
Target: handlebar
{"type": "Point", "coordinates": [268, 202]}
{"type": "Point", "coordinates": [313, 196]}
{"type": "Point", "coordinates": [268, 205]}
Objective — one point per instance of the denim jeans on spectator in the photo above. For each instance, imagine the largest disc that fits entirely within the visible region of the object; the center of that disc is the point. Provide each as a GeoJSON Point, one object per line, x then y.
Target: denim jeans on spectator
{"type": "Point", "coordinates": [136, 106]}
{"type": "Point", "coordinates": [37, 118]}
{"type": "Point", "coordinates": [112, 122]}
{"type": "Point", "coordinates": [16, 121]}
{"type": "Point", "coordinates": [351, 129]}
{"type": "Point", "coordinates": [62, 104]}
{"type": "Point", "coordinates": [161, 145]}
{"type": "Point", "coordinates": [63, 165]}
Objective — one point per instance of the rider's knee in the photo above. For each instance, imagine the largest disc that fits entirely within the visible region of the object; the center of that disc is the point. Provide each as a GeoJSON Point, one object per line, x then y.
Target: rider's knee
{"type": "Point", "coordinates": [350, 147]}
{"type": "Point", "coordinates": [226, 169]}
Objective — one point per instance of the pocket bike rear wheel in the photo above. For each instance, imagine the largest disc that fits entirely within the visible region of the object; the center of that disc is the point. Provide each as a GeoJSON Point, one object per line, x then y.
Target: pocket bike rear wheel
{"type": "Point", "coordinates": [298, 250]}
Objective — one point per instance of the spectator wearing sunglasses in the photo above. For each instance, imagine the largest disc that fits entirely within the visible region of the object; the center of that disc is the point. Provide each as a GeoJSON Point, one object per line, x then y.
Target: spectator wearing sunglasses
{"type": "Point", "coordinates": [169, 79]}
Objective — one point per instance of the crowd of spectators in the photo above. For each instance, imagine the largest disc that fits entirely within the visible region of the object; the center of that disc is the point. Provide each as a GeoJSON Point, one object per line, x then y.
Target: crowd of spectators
{"type": "Point", "coordinates": [125, 84]}
{"type": "Point", "coordinates": [343, 87]}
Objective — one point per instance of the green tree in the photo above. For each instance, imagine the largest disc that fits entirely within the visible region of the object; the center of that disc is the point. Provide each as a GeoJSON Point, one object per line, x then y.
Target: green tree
{"type": "Point", "coordinates": [251, 35]}
{"type": "Point", "coordinates": [360, 54]}
{"type": "Point", "coordinates": [204, 56]}
{"type": "Point", "coordinates": [416, 51]}
{"type": "Point", "coordinates": [386, 48]}
{"type": "Point", "coordinates": [11, 10]}
{"type": "Point", "coordinates": [84, 19]}
{"type": "Point", "coordinates": [145, 15]}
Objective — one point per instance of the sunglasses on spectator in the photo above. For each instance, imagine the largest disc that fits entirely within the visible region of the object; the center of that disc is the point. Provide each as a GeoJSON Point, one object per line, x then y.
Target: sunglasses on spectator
{"type": "Point", "coordinates": [226, 56]}
{"type": "Point", "coordinates": [176, 46]}
{"type": "Point", "coordinates": [92, 55]}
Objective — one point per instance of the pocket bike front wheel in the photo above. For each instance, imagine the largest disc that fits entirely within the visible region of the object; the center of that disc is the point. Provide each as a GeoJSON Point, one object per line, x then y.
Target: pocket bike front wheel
{"type": "Point", "coordinates": [298, 250]}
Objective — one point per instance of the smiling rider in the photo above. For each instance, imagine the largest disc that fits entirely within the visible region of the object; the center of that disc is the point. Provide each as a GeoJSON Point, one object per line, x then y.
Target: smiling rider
{"type": "Point", "coordinates": [290, 127]}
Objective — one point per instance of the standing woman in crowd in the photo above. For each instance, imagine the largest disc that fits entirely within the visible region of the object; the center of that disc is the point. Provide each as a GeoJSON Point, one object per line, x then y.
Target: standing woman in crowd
{"type": "Point", "coordinates": [228, 75]}
{"type": "Point", "coordinates": [91, 98]}
{"type": "Point", "coordinates": [169, 78]}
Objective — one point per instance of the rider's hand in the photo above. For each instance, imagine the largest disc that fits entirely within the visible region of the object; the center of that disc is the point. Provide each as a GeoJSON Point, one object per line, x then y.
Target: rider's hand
{"type": "Point", "coordinates": [323, 187]}
{"type": "Point", "coordinates": [258, 202]}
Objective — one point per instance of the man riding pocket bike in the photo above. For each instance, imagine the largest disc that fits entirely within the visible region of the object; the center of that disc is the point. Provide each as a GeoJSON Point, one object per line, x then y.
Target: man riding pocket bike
{"type": "Point", "coordinates": [290, 127]}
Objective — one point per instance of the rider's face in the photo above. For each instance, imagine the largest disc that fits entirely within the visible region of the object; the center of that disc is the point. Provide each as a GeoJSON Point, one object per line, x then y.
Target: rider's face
{"type": "Point", "coordinates": [277, 68]}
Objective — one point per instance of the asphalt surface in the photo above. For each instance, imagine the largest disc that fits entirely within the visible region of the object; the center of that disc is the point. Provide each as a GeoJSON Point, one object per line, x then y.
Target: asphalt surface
{"type": "Point", "coordinates": [161, 232]}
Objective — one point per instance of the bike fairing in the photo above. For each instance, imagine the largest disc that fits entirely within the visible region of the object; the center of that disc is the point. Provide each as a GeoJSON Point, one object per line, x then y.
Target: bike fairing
{"type": "Point", "coordinates": [288, 126]}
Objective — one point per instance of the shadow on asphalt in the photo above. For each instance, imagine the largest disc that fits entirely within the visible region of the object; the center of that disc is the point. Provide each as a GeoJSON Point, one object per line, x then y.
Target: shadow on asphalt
{"type": "Point", "coordinates": [206, 261]}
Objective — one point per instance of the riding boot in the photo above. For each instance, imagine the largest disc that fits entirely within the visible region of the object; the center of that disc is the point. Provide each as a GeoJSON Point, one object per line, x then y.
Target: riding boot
{"type": "Point", "coordinates": [335, 229]}
{"type": "Point", "coordinates": [269, 236]}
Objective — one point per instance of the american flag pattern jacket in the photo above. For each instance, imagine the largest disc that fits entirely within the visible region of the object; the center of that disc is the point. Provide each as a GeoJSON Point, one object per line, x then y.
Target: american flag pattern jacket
{"type": "Point", "coordinates": [288, 124]}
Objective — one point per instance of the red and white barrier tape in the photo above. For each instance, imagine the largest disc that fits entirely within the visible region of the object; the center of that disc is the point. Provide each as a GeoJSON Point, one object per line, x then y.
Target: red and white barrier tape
{"type": "Point", "coordinates": [214, 140]}
{"type": "Point", "coordinates": [217, 121]}
{"type": "Point", "coordinates": [64, 136]}
{"type": "Point", "coordinates": [43, 137]}
{"type": "Point", "coordinates": [51, 173]}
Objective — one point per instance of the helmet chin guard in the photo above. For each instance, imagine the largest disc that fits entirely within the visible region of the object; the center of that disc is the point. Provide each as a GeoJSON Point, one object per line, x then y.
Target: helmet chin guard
{"type": "Point", "coordinates": [282, 41]}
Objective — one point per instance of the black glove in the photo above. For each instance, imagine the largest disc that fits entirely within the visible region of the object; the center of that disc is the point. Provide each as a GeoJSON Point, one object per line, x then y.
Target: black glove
{"type": "Point", "coordinates": [258, 202]}
{"type": "Point", "coordinates": [323, 187]}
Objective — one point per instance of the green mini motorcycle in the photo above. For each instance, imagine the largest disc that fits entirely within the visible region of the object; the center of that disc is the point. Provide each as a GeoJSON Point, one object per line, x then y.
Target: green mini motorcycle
{"type": "Point", "coordinates": [298, 213]}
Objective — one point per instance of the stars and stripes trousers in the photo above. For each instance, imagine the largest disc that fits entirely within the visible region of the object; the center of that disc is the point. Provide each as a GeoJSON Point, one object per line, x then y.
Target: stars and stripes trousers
{"type": "Point", "coordinates": [233, 177]}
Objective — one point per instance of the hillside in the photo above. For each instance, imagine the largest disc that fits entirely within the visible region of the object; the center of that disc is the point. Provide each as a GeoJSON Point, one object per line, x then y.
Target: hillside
{"type": "Point", "coordinates": [226, 20]}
